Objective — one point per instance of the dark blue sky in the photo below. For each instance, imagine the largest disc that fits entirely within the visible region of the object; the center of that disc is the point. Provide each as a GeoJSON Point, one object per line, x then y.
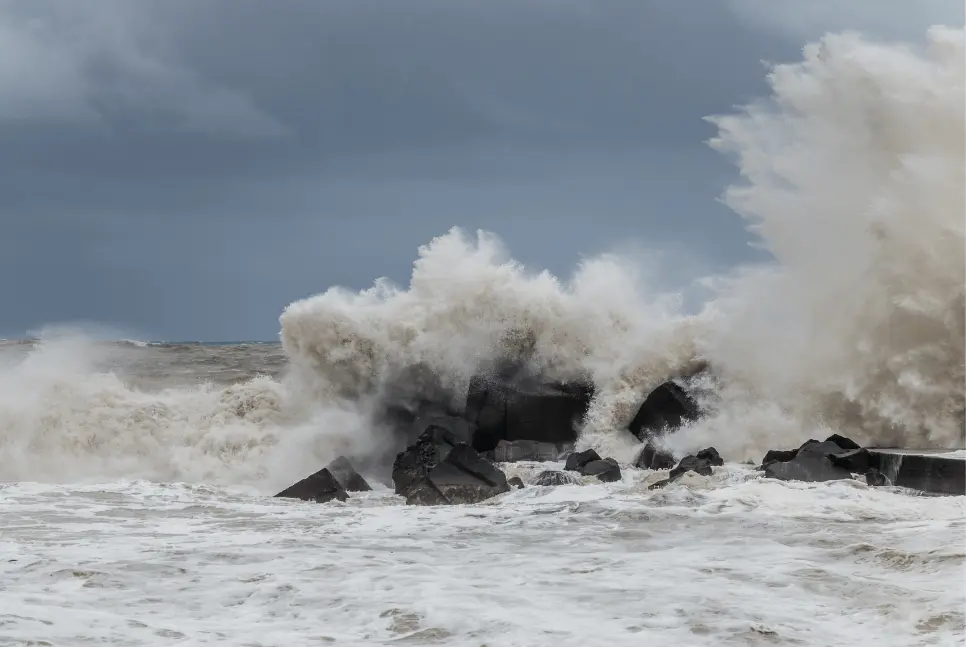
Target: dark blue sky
{"type": "Point", "coordinates": [178, 169]}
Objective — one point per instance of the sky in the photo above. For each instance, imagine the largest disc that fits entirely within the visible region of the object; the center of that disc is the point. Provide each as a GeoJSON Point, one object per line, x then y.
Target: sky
{"type": "Point", "coordinates": [183, 170]}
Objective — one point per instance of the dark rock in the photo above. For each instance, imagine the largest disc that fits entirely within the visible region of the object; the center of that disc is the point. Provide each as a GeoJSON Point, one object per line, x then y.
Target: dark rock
{"type": "Point", "coordinates": [320, 487]}
{"type": "Point", "coordinates": [549, 478]}
{"type": "Point", "coordinates": [413, 464]}
{"type": "Point", "coordinates": [606, 470]}
{"type": "Point", "coordinates": [522, 407]}
{"type": "Point", "coordinates": [439, 469]}
{"type": "Point", "coordinates": [700, 463]}
{"type": "Point", "coordinates": [347, 476]}
{"type": "Point", "coordinates": [666, 408]}
{"type": "Point", "coordinates": [779, 456]}
{"type": "Point", "coordinates": [875, 478]}
{"type": "Point", "coordinates": [811, 465]}
{"type": "Point", "coordinates": [857, 461]}
{"type": "Point", "coordinates": [577, 460]}
{"type": "Point", "coordinates": [710, 454]}
{"type": "Point", "coordinates": [843, 442]}
{"type": "Point", "coordinates": [527, 450]}
{"type": "Point", "coordinates": [652, 458]}
{"type": "Point", "coordinates": [515, 481]}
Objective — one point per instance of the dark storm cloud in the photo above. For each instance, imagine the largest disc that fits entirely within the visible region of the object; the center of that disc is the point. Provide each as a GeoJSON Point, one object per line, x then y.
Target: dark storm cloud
{"type": "Point", "coordinates": [186, 168]}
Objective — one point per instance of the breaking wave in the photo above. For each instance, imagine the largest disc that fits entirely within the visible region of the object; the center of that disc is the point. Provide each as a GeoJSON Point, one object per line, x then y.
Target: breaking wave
{"type": "Point", "coordinates": [852, 178]}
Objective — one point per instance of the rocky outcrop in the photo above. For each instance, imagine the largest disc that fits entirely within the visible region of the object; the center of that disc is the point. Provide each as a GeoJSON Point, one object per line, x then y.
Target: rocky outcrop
{"type": "Point", "coordinates": [549, 478]}
{"type": "Point", "coordinates": [666, 408]}
{"type": "Point", "coordinates": [347, 476]}
{"type": "Point", "coordinates": [700, 463]}
{"type": "Point", "coordinates": [522, 407]}
{"type": "Point", "coordinates": [320, 487]}
{"type": "Point", "coordinates": [439, 469]}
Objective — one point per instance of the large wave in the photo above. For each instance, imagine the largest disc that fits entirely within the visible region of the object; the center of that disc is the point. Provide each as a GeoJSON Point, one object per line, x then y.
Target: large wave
{"type": "Point", "coordinates": [852, 178]}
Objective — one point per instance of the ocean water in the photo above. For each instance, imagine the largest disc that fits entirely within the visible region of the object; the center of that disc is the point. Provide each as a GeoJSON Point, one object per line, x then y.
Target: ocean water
{"type": "Point", "coordinates": [136, 478]}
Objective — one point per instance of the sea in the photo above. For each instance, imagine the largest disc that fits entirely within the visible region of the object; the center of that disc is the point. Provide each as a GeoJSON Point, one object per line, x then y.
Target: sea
{"type": "Point", "coordinates": [137, 478]}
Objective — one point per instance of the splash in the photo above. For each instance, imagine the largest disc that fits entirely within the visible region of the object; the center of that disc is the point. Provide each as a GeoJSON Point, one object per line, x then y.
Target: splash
{"type": "Point", "coordinates": [852, 178]}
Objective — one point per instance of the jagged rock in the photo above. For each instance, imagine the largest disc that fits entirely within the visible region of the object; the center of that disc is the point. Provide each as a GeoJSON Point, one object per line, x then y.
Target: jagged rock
{"type": "Point", "coordinates": [700, 463]}
{"type": "Point", "coordinates": [577, 460]}
{"type": "Point", "coordinates": [875, 478]}
{"type": "Point", "coordinates": [320, 487]}
{"type": "Point", "coordinates": [413, 464]}
{"type": "Point", "coordinates": [549, 478]}
{"type": "Point", "coordinates": [652, 458]}
{"type": "Point", "coordinates": [521, 407]}
{"type": "Point", "coordinates": [779, 456]}
{"type": "Point", "coordinates": [347, 476]}
{"type": "Point", "coordinates": [606, 470]}
{"type": "Point", "coordinates": [527, 450]}
{"type": "Point", "coordinates": [666, 408]}
{"type": "Point", "coordinates": [515, 481]}
{"type": "Point", "coordinates": [439, 469]}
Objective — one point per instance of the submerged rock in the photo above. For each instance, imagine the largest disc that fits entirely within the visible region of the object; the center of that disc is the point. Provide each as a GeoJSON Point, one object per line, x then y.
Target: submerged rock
{"type": "Point", "coordinates": [700, 463]}
{"type": "Point", "coordinates": [548, 478]}
{"type": "Point", "coordinates": [320, 487]}
{"type": "Point", "coordinates": [875, 478]}
{"type": "Point", "coordinates": [515, 481]}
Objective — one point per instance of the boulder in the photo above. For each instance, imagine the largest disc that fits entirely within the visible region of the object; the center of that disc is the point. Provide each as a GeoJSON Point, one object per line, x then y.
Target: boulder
{"type": "Point", "coordinates": [347, 476]}
{"type": "Point", "coordinates": [548, 478]}
{"type": "Point", "coordinates": [527, 450]}
{"type": "Point", "coordinates": [606, 470]}
{"type": "Point", "coordinates": [522, 407]}
{"type": "Point", "coordinates": [652, 458]}
{"type": "Point", "coordinates": [515, 481]}
{"type": "Point", "coordinates": [577, 460]}
{"type": "Point", "coordinates": [700, 463]}
{"type": "Point", "coordinates": [439, 469]}
{"type": "Point", "coordinates": [835, 458]}
{"type": "Point", "coordinates": [812, 464]}
{"type": "Point", "coordinates": [320, 487]}
{"type": "Point", "coordinates": [664, 409]}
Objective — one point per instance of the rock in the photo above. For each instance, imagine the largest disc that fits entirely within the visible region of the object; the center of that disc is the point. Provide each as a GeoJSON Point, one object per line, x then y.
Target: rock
{"type": "Point", "coordinates": [652, 458]}
{"type": "Point", "coordinates": [812, 465]}
{"type": "Point", "coordinates": [856, 461]}
{"type": "Point", "coordinates": [710, 454]}
{"type": "Point", "coordinates": [522, 407]}
{"type": "Point", "coordinates": [347, 476]}
{"type": "Point", "coordinates": [700, 463]}
{"type": "Point", "coordinates": [666, 408]}
{"type": "Point", "coordinates": [875, 478]}
{"type": "Point", "coordinates": [527, 450]}
{"type": "Point", "coordinates": [606, 470]}
{"type": "Point", "coordinates": [577, 460]}
{"type": "Point", "coordinates": [413, 464]}
{"type": "Point", "coordinates": [843, 442]}
{"type": "Point", "coordinates": [439, 469]}
{"type": "Point", "coordinates": [549, 478]}
{"type": "Point", "coordinates": [779, 456]}
{"type": "Point", "coordinates": [320, 487]}
{"type": "Point", "coordinates": [515, 481]}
